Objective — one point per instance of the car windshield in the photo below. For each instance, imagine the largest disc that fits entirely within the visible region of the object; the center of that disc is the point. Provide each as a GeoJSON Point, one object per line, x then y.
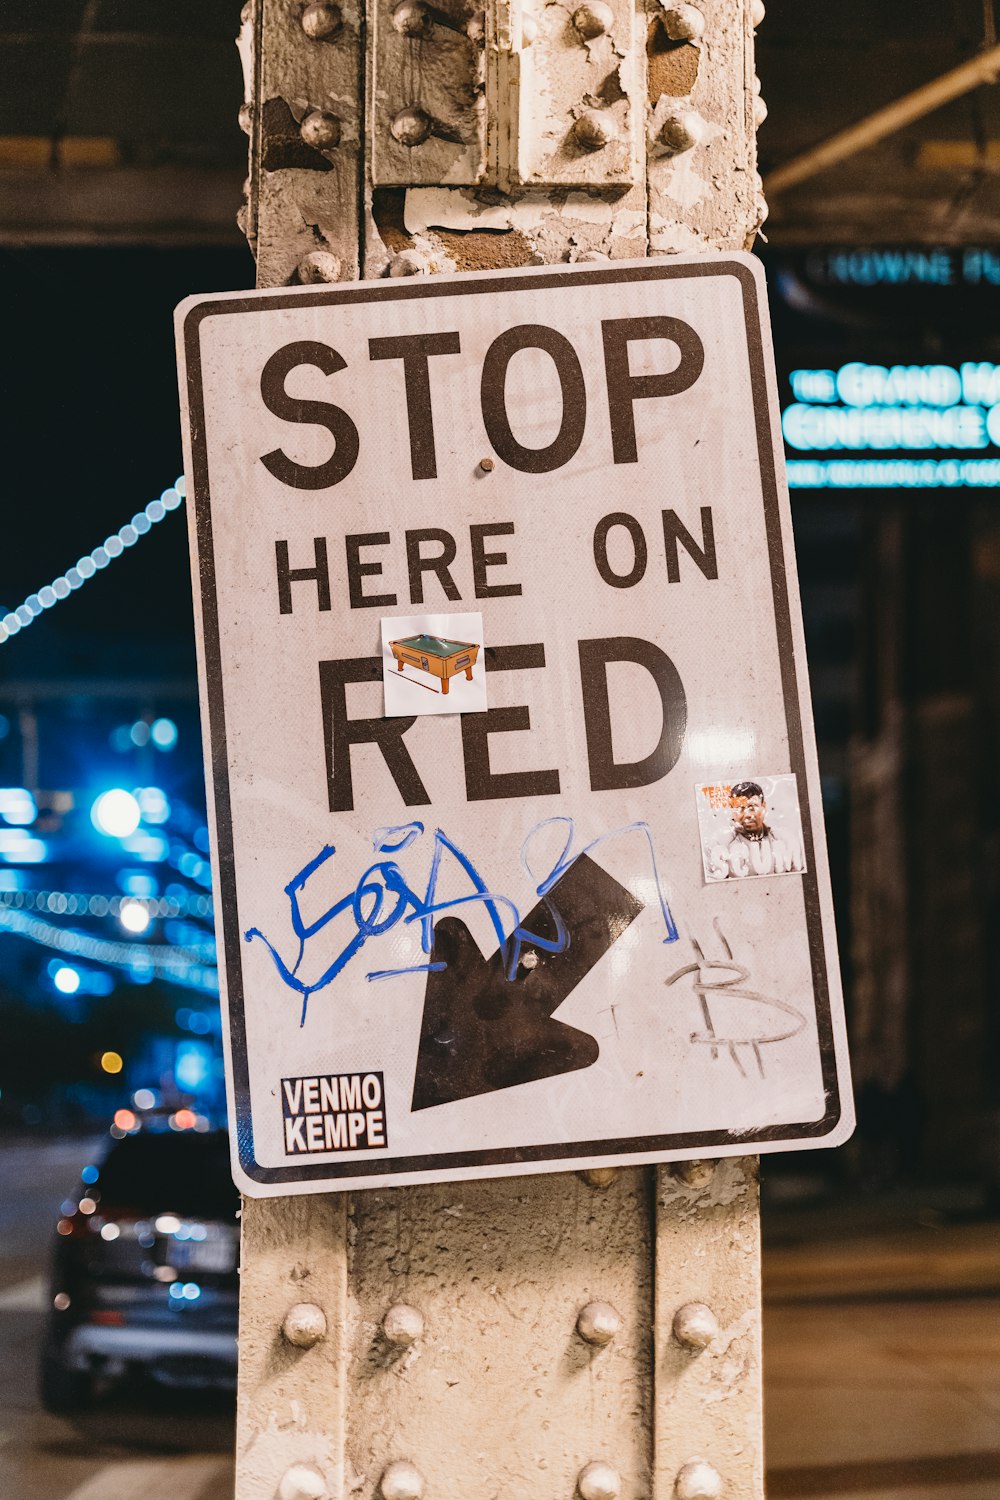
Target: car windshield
{"type": "Point", "coordinates": [184, 1174]}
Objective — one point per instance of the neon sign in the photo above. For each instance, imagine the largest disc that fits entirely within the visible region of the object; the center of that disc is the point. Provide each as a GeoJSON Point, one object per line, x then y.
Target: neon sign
{"type": "Point", "coordinates": [894, 409]}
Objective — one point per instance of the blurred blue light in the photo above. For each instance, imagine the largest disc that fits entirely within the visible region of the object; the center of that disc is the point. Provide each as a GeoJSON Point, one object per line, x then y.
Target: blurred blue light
{"type": "Point", "coordinates": [163, 734]}
{"type": "Point", "coordinates": [191, 1291]}
{"type": "Point", "coordinates": [17, 806]}
{"type": "Point", "coordinates": [192, 1065]}
{"type": "Point", "coordinates": [176, 1291]}
{"type": "Point", "coordinates": [138, 883]}
{"type": "Point", "coordinates": [121, 739]}
{"type": "Point", "coordinates": [66, 980]}
{"type": "Point", "coordinates": [115, 813]}
{"type": "Point", "coordinates": [151, 848]}
{"type": "Point", "coordinates": [4, 726]}
{"type": "Point", "coordinates": [90, 1174]}
{"type": "Point", "coordinates": [153, 804]}
{"type": "Point", "coordinates": [139, 733]}
{"type": "Point", "coordinates": [18, 847]}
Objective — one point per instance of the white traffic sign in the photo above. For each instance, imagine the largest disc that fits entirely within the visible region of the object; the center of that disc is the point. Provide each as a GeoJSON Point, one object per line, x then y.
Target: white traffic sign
{"type": "Point", "coordinates": [519, 858]}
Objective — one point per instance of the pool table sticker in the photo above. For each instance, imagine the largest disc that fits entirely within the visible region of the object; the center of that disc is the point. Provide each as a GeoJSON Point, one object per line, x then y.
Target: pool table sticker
{"type": "Point", "coordinates": [469, 939]}
{"type": "Point", "coordinates": [433, 664]}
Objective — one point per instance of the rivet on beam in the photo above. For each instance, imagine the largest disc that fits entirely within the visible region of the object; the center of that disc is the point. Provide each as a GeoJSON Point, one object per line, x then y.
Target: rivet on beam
{"type": "Point", "coordinates": [302, 1482]}
{"type": "Point", "coordinates": [411, 126]}
{"type": "Point", "coordinates": [698, 1480]}
{"type": "Point", "coordinates": [319, 265]}
{"type": "Point", "coordinates": [304, 1325]}
{"type": "Point", "coordinates": [695, 1174]}
{"type": "Point", "coordinates": [595, 129]}
{"type": "Point", "coordinates": [682, 131]}
{"type": "Point", "coordinates": [320, 129]}
{"type": "Point", "coordinates": [683, 23]}
{"type": "Point", "coordinates": [695, 1325]}
{"type": "Point", "coordinates": [408, 263]}
{"type": "Point", "coordinates": [246, 118]}
{"type": "Point", "coordinates": [593, 19]}
{"type": "Point", "coordinates": [599, 1481]}
{"type": "Point", "coordinates": [757, 12]}
{"type": "Point", "coordinates": [411, 18]}
{"type": "Point", "coordinates": [401, 1481]}
{"type": "Point", "coordinates": [598, 1177]}
{"type": "Point", "coordinates": [403, 1325]}
{"type": "Point", "coordinates": [322, 21]}
{"type": "Point", "coordinates": [598, 1323]}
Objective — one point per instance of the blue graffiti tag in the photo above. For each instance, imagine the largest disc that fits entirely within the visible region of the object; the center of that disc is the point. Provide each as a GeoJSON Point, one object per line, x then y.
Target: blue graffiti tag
{"type": "Point", "coordinates": [383, 897]}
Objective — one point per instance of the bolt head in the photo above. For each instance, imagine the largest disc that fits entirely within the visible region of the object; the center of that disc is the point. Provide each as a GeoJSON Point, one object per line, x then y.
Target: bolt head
{"type": "Point", "coordinates": [408, 263]}
{"type": "Point", "coordinates": [305, 1323]}
{"type": "Point", "coordinates": [683, 23]}
{"type": "Point", "coordinates": [757, 12]}
{"type": "Point", "coordinates": [695, 1174]}
{"type": "Point", "coordinates": [599, 1481]}
{"type": "Point", "coordinates": [682, 131]}
{"type": "Point", "coordinates": [322, 21]}
{"type": "Point", "coordinates": [598, 1177]}
{"type": "Point", "coordinates": [403, 1325]}
{"type": "Point", "coordinates": [595, 129]}
{"type": "Point", "coordinates": [411, 18]}
{"type": "Point", "coordinates": [598, 1323]}
{"type": "Point", "coordinates": [411, 126]}
{"type": "Point", "coordinates": [695, 1325]}
{"type": "Point", "coordinates": [246, 118]}
{"type": "Point", "coordinates": [759, 111]}
{"type": "Point", "coordinates": [487, 465]}
{"type": "Point", "coordinates": [318, 265]}
{"type": "Point", "coordinates": [698, 1480]}
{"type": "Point", "coordinates": [401, 1481]}
{"type": "Point", "coordinates": [321, 130]}
{"type": "Point", "coordinates": [302, 1482]}
{"type": "Point", "coordinates": [593, 19]}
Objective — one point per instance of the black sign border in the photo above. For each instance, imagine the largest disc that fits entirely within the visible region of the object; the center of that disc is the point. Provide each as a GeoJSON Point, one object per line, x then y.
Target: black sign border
{"type": "Point", "coordinates": [646, 1147]}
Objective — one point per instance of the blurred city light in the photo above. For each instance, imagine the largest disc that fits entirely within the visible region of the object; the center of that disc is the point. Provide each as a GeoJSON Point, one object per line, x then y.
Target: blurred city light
{"type": "Point", "coordinates": [144, 1098]}
{"type": "Point", "coordinates": [116, 813]}
{"type": "Point", "coordinates": [111, 1062]}
{"type": "Point", "coordinates": [17, 806]}
{"type": "Point", "coordinates": [66, 980]}
{"type": "Point", "coordinates": [153, 804]}
{"type": "Point", "coordinates": [163, 733]}
{"type": "Point", "coordinates": [134, 916]}
{"type": "Point", "coordinates": [125, 1119]}
{"type": "Point", "coordinates": [151, 848]}
{"type": "Point", "coordinates": [19, 848]}
{"type": "Point", "coordinates": [139, 733]}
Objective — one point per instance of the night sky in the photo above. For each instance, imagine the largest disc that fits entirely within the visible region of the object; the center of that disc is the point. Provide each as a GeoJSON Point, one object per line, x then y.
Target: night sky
{"type": "Point", "coordinates": [91, 434]}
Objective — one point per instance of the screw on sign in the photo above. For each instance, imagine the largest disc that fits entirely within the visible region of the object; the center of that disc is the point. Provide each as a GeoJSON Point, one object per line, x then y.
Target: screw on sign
{"type": "Point", "coordinates": [601, 894]}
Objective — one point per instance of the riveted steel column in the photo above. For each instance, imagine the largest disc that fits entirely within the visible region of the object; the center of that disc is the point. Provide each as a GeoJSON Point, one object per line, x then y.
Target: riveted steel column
{"type": "Point", "coordinates": [547, 1337]}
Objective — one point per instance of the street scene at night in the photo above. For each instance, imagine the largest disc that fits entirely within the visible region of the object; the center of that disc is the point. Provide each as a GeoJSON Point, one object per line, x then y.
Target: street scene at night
{"type": "Point", "coordinates": [392, 1109]}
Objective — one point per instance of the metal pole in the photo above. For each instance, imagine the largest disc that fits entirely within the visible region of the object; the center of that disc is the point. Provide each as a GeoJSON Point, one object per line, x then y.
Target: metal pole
{"type": "Point", "coordinates": [549, 1336]}
{"type": "Point", "coordinates": [886, 121]}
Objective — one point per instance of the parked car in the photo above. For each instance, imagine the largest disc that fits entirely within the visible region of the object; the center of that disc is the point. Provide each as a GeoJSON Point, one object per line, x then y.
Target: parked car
{"type": "Point", "coordinates": [144, 1268]}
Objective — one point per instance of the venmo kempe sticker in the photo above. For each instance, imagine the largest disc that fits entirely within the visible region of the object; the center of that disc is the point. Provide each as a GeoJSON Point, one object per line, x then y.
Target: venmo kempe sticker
{"type": "Point", "coordinates": [334, 1112]}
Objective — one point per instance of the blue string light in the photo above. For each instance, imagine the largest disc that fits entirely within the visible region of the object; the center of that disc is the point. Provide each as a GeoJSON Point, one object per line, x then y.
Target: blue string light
{"type": "Point", "coordinates": [160, 960]}
{"type": "Point", "coordinates": [89, 566]}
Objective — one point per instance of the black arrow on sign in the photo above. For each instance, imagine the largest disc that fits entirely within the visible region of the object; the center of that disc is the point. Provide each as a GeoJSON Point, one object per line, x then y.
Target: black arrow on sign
{"type": "Point", "coordinates": [482, 1031]}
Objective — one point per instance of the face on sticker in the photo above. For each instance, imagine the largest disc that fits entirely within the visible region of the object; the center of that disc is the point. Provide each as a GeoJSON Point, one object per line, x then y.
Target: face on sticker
{"type": "Point", "coordinates": [749, 812]}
